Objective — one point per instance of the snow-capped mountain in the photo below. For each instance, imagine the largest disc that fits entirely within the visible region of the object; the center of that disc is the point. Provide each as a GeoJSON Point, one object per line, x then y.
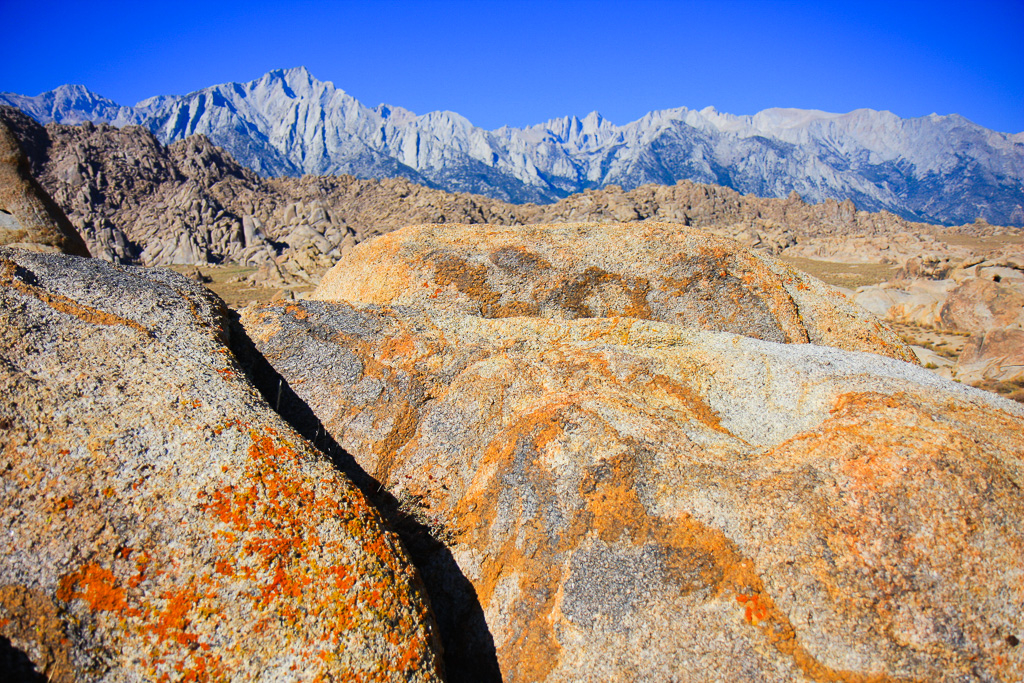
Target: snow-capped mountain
{"type": "Point", "coordinates": [934, 168]}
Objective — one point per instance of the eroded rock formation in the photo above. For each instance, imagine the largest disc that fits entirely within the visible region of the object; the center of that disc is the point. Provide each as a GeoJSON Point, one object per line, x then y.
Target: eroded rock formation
{"type": "Point", "coordinates": [29, 218]}
{"type": "Point", "coordinates": [635, 500]}
{"type": "Point", "coordinates": [983, 299]}
{"type": "Point", "coordinates": [652, 271]}
{"type": "Point", "coordinates": [160, 520]}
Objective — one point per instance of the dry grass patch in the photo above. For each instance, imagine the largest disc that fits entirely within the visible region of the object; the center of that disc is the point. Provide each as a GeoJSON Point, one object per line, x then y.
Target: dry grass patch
{"type": "Point", "coordinates": [228, 282]}
{"type": "Point", "coordinates": [851, 275]}
{"type": "Point", "coordinates": [1011, 390]}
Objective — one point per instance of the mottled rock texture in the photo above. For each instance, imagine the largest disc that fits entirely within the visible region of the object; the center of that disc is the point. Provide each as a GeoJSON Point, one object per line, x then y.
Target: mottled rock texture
{"type": "Point", "coordinates": [29, 218]}
{"type": "Point", "coordinates": [160, 521]}
{"type": "Point", "coordinates": [635, 500]}
{"type": "Point", "coordinates": [653, 271]}
{"type": "Point", "coordinates": [997, 354]}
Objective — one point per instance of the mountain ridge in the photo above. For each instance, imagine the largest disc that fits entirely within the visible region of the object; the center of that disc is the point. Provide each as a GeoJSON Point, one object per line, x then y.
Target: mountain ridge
{"type": "Point", "coordinates": [138, 201]}
{"type": "Point", "coordinates": [940, 169]}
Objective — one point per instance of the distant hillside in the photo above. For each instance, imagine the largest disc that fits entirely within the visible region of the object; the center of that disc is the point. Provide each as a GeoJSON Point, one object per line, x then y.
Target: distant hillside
{"type": "Point", "coordinates": [135, 200]}
{"type": "Point", "coordinates": [941, 169]}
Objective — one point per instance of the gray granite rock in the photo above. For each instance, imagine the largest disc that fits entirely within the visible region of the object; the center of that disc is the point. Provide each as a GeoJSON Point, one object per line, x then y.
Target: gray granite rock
{"type": "Point", "coordinates": [635, 500]}
{"type": "Point", "coordinates": [159, 519]}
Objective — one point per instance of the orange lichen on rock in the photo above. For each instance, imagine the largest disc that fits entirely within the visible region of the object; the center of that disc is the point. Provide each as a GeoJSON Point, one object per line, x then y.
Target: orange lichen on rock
{"type": "Point", "coordinates": [95, 585]}
{"type": "Point", "coordinates": [178, 529]}
{"type": "Point", "coordinates": [653, 271]}
{"type": "Point", "coordinates": [624, 496]}
{"type": "Point", "coordinates": [754, 612]}
{"type": "Point", "coordinates": [9, 277]}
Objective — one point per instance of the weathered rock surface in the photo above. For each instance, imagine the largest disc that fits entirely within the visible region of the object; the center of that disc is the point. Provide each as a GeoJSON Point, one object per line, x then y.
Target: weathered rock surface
{"type": "Point", "coordinates": [652, 271]}
{"type": "Point", "coordinates": [160, 521]}
{"type": "Point", "coordinates": [973, 295]}
{"type": "Point", "coordinates": [996, 354]}
{"type": "Point", "coordinates": [918, 302]}
{"type": "Point", "coordinates": [979, 304]}
{"type": "Point", "coordinates": [29, 218]}
{"type": "Point", "coordinates": [980, 297]}
{"type": "Point", "coordinates": [635, 500]}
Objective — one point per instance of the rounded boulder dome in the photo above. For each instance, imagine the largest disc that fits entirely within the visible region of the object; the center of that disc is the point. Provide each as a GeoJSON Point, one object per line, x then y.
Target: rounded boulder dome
{"type": "Point", "coordinates": [652, 271]}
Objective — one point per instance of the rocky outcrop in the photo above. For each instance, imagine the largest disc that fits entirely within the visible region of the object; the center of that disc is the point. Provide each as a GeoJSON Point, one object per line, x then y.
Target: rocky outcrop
{"type": "Point", "coordinates": [917, 302]}
{"type": "Point", "coordinates": [972, 296]}
{"type": "Point", "coordinates": [994, 355]}
{"type": "Point", "coordinates": [160, 521]}
{"type": "Point", "coordinates": [979, 304]}
{"type": "Point", "coordinates": [652, 271]}
{"type": "Point", "coordinates": [29, 218]}
{"type": "Point", "coordinates": [136, 201]}
{"type": "Point", "coordinates": [939, 168]}
{"type": "Point", "coordinates": [636, 500]}
{"type": "Point", "coordinates": [983, 298]}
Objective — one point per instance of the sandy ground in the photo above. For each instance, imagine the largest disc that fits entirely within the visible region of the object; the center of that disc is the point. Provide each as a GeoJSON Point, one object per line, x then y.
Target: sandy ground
{"type": "Point", "coordinates": [228, 282]}
{"type": "Point", "coordinates": [845, 275]}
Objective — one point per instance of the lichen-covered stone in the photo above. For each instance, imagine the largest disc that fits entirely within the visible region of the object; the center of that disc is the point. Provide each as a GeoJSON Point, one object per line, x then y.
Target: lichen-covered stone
{"type": "Point", "coordinates": [634, 500]}
{"type": "Point", "coordinates": [160, 521]}
{"type": "Point", "coordinates": [653, 271]}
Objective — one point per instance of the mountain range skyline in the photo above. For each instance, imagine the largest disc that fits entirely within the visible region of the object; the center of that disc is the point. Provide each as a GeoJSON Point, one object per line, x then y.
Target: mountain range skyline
{"type": "Point", "coordinates": [941, 169]}
{"type": "Point", "coordinates": [520, 63]}
{"type": "Point", "coordinates": [62, 100]}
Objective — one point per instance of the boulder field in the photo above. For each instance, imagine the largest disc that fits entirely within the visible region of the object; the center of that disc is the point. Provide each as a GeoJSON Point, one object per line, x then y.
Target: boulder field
{"type": "Point", "coordinates": [553, 453]}
{"type": "Point", "coordinates": [651, 271]}
{"type": "Point", "coordinates": [161, 522]}
{"type": "Point", "coordinates": [634, 499]}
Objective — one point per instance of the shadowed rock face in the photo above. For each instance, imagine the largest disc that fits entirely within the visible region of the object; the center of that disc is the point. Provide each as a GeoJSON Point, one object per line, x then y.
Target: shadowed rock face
{"type": "Point", "coordinates": [652, 271]}
{"type": "Point", "coordinates": [159, 519]}
{"type": "Point", "coordinates": [632, 500]}
{"type": "Point", "coordinates": [29, 218]}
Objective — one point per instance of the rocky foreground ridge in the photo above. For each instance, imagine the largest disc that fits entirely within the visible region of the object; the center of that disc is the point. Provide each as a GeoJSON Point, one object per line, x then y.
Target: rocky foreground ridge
{"type": "Point", "coordinates": [161, 521]}
{"type": "Point", "coordinates": [136, 201]}
{"type": "Point", "coordinates": [942, 169]}
{"type": "Point", "coordinates": [639, 500]}
{"type": "Point", "coordinates": [363, 489]}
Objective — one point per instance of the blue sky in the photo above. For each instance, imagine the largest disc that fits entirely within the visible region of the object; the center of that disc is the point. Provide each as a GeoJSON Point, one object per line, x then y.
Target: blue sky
{"type": "Point", "coordinates": [519, 63]}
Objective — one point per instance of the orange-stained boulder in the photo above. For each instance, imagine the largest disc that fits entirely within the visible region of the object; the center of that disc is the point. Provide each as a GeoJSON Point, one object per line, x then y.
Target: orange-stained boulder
{"type": "Point", "coordinates": [160, 521]}
{"type": "Point", "coordinates": [653, 271]}
{"type": "Point", "coordinates": [634, 500]}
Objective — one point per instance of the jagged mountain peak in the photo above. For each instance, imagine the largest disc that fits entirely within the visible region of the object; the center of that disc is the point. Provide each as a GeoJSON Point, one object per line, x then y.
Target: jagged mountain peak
{"type": "Point", "coordinates": [298, 79]}
{"type": "Point", "coordinates": [286, 122]}
{"type": "Point", "coordinates": [72, 104]}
